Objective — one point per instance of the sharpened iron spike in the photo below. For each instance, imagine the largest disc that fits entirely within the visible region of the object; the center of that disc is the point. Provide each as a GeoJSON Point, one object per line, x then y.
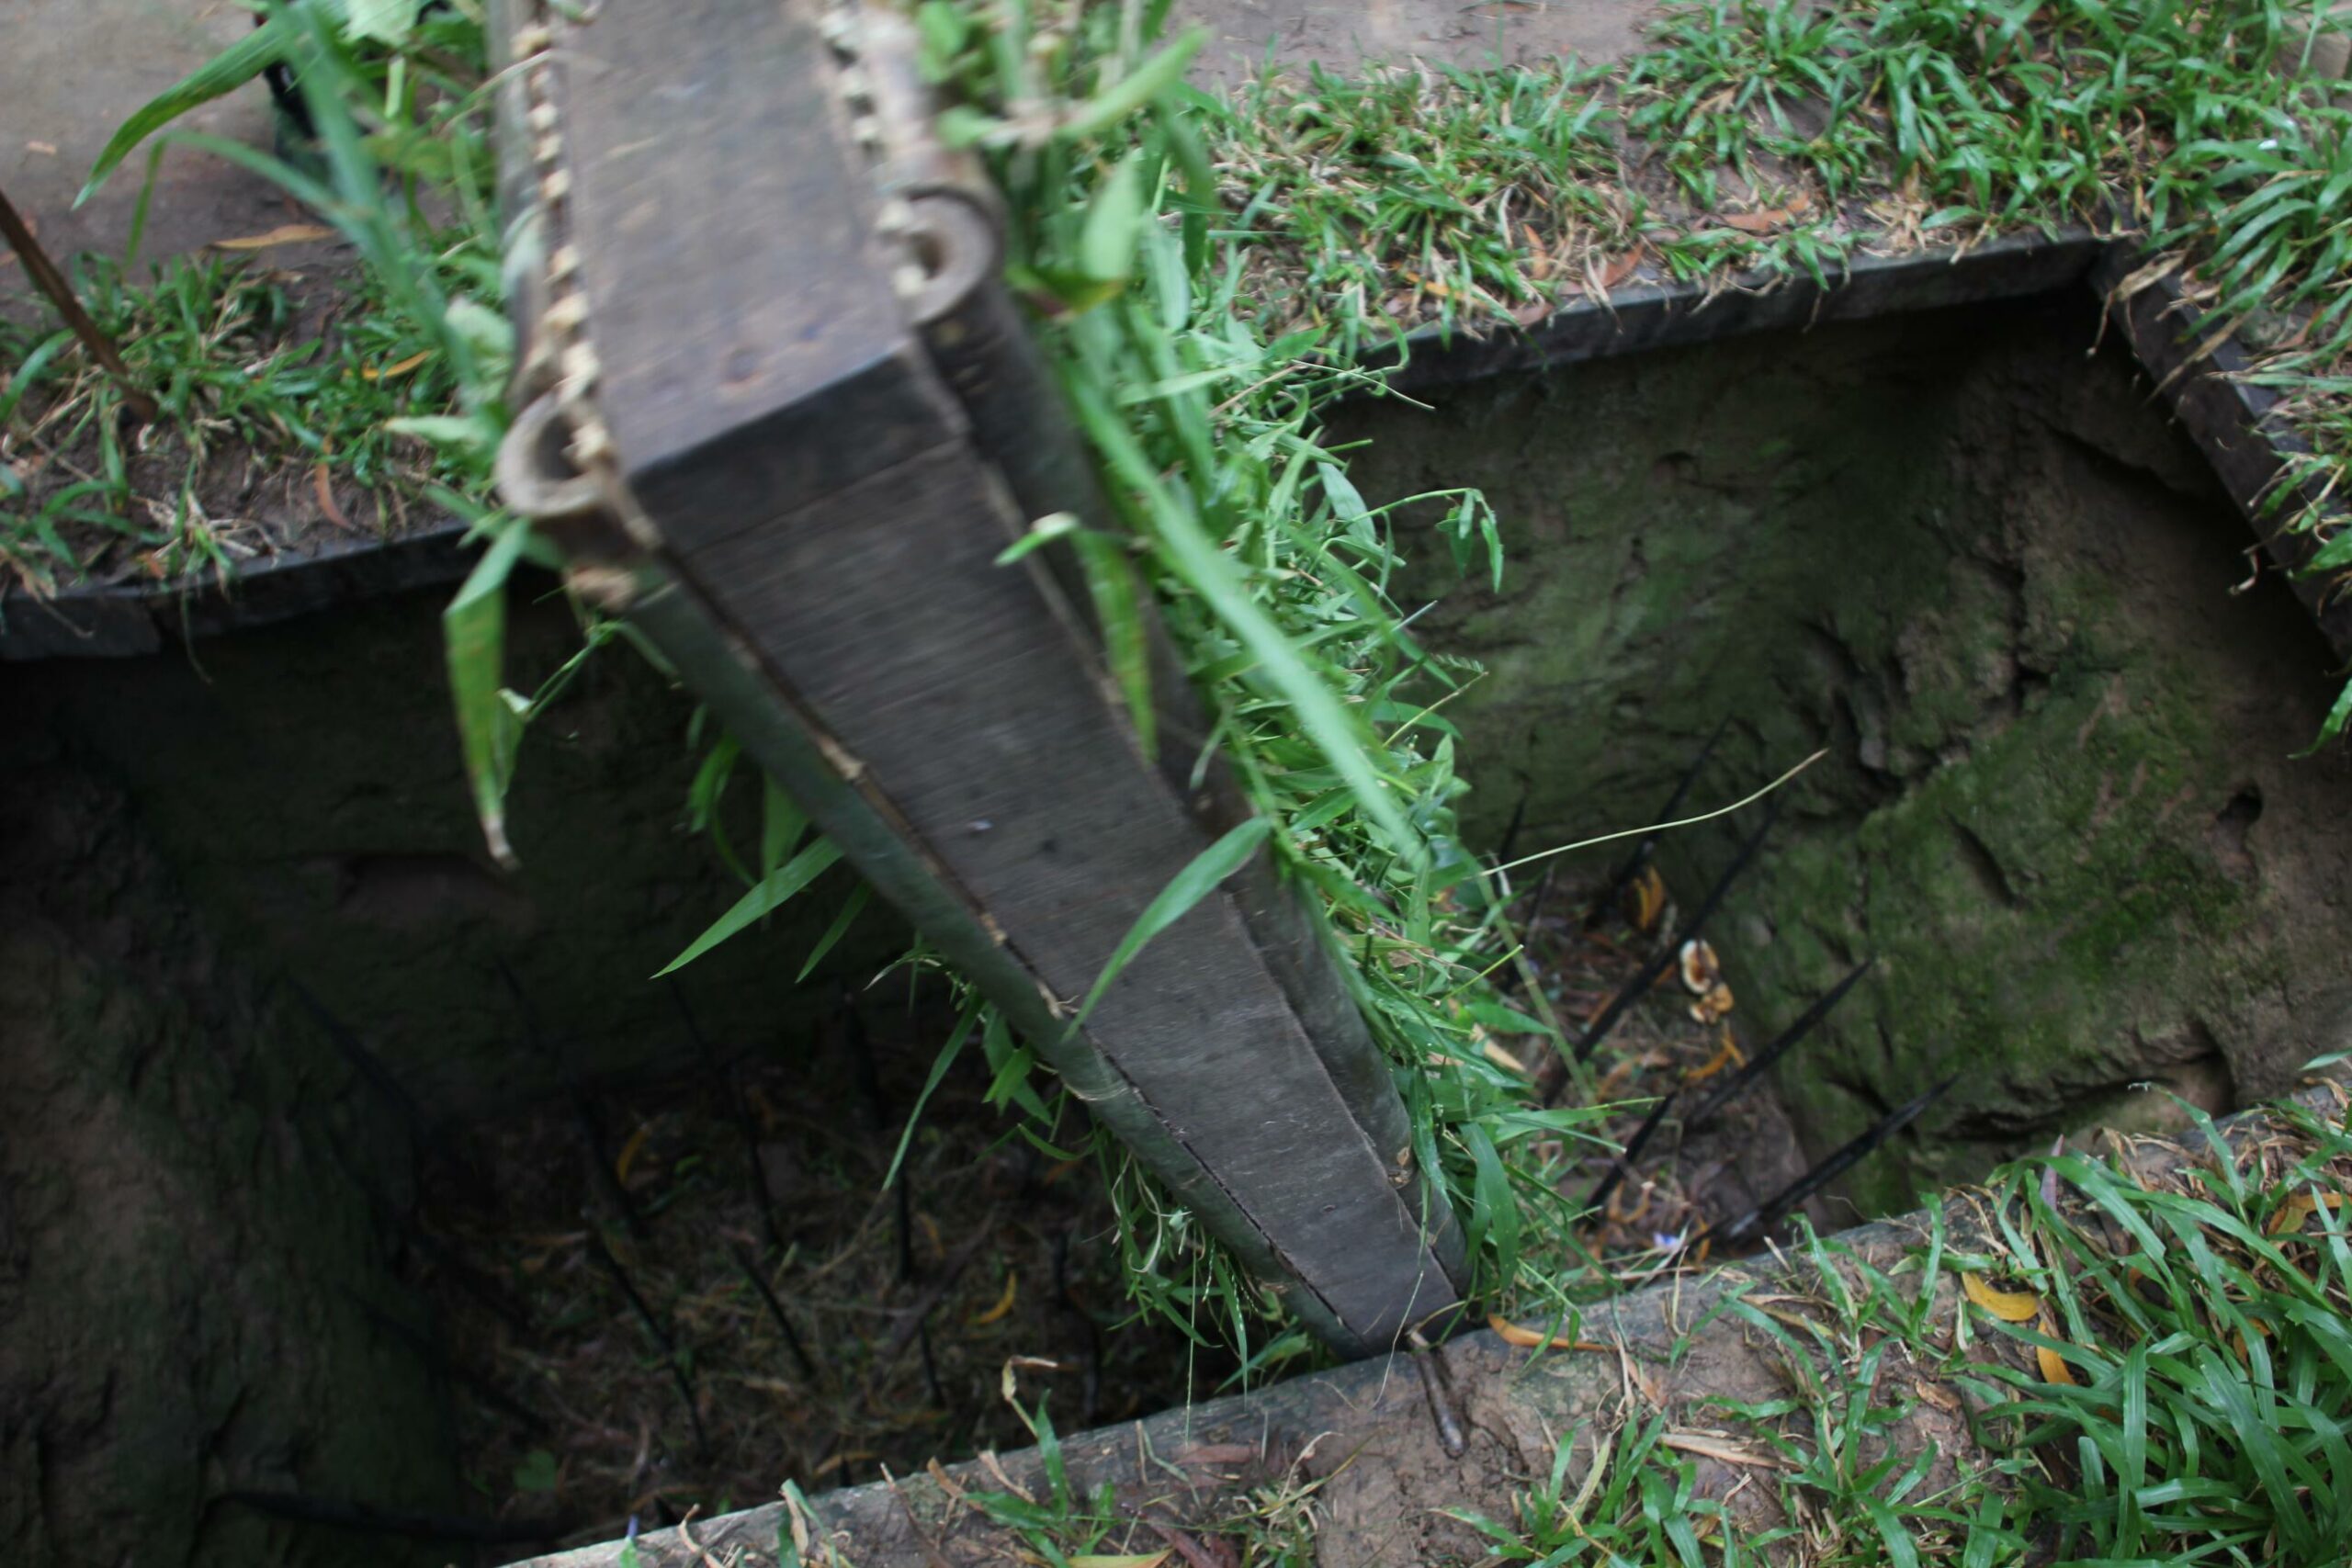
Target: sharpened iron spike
{"type": "Point", "coordinates": [1766, 1215]}
{"type": "Point", "coordinates": [1623, 1165]}
{"type": "Point", "coordinates": [730, 1084]}
{"type": "Point", "coordinates": [1646, 845]}
{"type": "Point", "coordinates": [1639, 987]}
{"type": "Point", "coordinates": [1735, 1082]}
{"type": "Point", "coordinates": [792, 1341]}
{"type": "Point", "coordinates": [428, 1350]}
{"type": "Point", "coordinates": [654, 1331]}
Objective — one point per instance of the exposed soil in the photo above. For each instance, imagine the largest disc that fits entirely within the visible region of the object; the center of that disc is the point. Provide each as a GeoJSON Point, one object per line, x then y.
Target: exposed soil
{"type": "Point", "coordinates": [909, 1311]}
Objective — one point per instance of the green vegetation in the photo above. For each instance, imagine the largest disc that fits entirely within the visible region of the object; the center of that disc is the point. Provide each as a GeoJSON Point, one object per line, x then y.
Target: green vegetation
{"type": "Point", "coordinates": [2156, 1369]}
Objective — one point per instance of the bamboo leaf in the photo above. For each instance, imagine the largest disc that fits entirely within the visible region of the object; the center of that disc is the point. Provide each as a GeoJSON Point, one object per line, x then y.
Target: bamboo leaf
{"type": "Point", "coordinates": [473, 632]}
{"type": "Point", "coordinates": [1188, 887]}
{"type": "Point", "coordinates": [771, 891]}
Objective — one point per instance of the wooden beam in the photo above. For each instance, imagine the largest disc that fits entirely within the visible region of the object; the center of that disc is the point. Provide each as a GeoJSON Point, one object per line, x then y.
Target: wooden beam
{"type": "Point", "coordinates": [806, 458]}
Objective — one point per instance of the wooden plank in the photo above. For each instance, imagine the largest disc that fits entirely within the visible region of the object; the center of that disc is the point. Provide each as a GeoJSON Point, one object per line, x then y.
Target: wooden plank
{"type": "Point", "coordinates": [2233, 423]}
{"type": "Point", "coordinates": [1664, 313]}
{"type": "Point", "coordinates": [828, 531]}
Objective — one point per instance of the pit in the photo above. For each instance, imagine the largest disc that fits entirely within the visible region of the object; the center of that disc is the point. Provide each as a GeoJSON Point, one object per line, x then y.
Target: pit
{"type": "Point", "coordinates": [269, 1004]}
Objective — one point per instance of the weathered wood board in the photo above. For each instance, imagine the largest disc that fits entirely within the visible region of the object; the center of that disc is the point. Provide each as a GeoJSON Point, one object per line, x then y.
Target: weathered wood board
{"type": "Point", "coordinates": [816, 528]}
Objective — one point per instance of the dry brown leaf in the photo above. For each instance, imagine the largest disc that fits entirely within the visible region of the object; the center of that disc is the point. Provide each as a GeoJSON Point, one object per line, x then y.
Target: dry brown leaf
{"type": "Point", "coordinates": [371, 374]}
{"type": "Point", "coordinates": [284, 234]}
{"type": "Point", "coordinates": [1093, 1559]}
{"type": "Point", "coordinates": [2295, 1210]}
{"type": "Point", "coordinates": [2009, 1306]}
{"type": "Point", "coordinates": [320, 482]}
{"type": "Point", "coordinates": [1941, 1398]}
{"type": "Point", "coordinates": [1602, 277]}
{"type": "Point", "coordinates": [1713, 1005]}
{"type": "Point", "coordinates": [1217, 1453]}
{"type": "Point", "coordinates": [1724, 1452]}
{"type": "Point", "coordinates": [1702, 970]}
{"type": "Point", "coordinates": [2053, 1366]}
{"type": "Point", "coordinates": [1766, 222]}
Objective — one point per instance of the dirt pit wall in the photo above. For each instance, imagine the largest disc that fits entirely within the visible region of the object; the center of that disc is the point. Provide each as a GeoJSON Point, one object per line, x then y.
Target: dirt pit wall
{"type": "Point", "coordinates": [1963, 553]}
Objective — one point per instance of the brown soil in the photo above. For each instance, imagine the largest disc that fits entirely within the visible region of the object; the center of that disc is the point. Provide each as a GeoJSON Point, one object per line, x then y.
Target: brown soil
{"type": "Point", "coordinates": [909, 1314]}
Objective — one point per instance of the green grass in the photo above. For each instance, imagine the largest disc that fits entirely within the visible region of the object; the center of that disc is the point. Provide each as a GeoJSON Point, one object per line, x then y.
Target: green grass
{"type": "Point", "coordinates": [2201, 1317]}
{"type": "Point", "coordinates": [252, 399]}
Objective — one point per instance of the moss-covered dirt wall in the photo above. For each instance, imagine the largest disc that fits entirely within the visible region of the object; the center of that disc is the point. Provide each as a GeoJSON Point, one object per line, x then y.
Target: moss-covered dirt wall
{"type": "Point", "coordinates": [303, 782]}
{"type": "Point", "coordinates": [184, 1250]}
{"type": "Point", "coordinates": [1965, 553]}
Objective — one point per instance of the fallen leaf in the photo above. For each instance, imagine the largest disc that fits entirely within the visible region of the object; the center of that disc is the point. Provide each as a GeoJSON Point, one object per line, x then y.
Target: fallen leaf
{"type": "Point", "coordinates": [2009, 1306]}
{"type": "Point", "coordinates": [635, 1145]}
{"type": "Point", "coordinates": [1713, 1005]}
{"type": "Point", "coordinates": [1728, 1054]}
{"type": "Point", "coordinates": [1092, 1560]}
{"type": "Point", "coordinates": [370, 373]}
{"type": "Point", "coordinates": [284, 234]}
{"type": "Point", "coordinates": [1218, 1453]}
{"type": "Point", "coordinates": [2298, 1208]}
{"type": "Point", "coordinates": [47, 149]}
{"type": "Point", "coordinates": [320, 482]}
{"type": "Point", "coordinates": [1724, 1452]}
{"type": "Point", "coordinates": [1765, 223]}
{"type": "Point", "coordinates": [2053, 1366]}
{"type": "Point", "coordinates": [1511, 1333]}
{"type": "Point", "coordinates": [1003, 1302]}
{"type": "Point", "coordinates": [1648, 897]}
{"type": "Point", "coordinates": [1942, 1399]}
{"type": "Point", "coordinates": [1502, 1058]}
{"type": "Point", "coordinates": [1606, 276]}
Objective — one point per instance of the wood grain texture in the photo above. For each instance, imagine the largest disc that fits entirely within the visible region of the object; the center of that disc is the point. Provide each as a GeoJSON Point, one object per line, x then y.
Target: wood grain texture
{"type": "Point", "coordinates": [829, 511]}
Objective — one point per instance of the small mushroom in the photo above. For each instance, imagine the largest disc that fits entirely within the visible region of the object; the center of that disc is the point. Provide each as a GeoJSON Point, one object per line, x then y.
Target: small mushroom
{"type": "Point", "coordinates": [1701, 971]}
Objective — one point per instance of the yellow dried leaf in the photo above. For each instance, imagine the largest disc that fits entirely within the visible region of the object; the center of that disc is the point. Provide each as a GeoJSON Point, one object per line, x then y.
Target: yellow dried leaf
{"type": "Point", "coordinates": [369, 373]}
{"type": "Point", "coordinates": [2295, 1210]}
{"type": "Point", "coordinates": [1003, 1302]}
{"type": "Point", "coordinates": [284, 234]}
{"type": "Point", "coordinates": [630, 1150]}
{"type": "Point", "coordinates": [1095, 1561]}
{"type": "Point", "coordinates": [2009, 1306]}
{"type": "Point", "coordinates": [2053, 1366]}
{"type": "Point", "coordinates": [1511, 1333]}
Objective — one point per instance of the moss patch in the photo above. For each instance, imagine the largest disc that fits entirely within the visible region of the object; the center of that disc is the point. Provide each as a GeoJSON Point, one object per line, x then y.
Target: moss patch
{"type": "Point", "coordinates": [2059, 805]}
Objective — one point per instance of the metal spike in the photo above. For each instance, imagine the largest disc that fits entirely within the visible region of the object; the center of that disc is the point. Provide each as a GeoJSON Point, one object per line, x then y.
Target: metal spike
{"type": "Point", "coordinates": [775, 1309]}
{"type": "Point", "coordinates": [585, 1124]}
{"type": "Point", "coordinates": [1646, 845]}
{"type": "Point", "coordinates": [1639, 987]}
{"type": "Point", "coordinates": [385, 1082]}
{"type": "Point", "coordinates": [1621, 1167]}
{"type": "Point", "coordinates": [654, 1331]}
{"type": "Point", "coordinates": [1510, 833]}
{"type": "Point", "coordinates": [1735, 1082]}
{"type": "Point", "coordinates": [428, 1350]}
{"type": "Point", "coordinates": [1764, 1217]}
{"type": "Point", "coordinates": [730, 1084]}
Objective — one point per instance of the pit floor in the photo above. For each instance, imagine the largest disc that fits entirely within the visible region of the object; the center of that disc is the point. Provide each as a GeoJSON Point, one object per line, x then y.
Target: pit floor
{"type": "Point", "coordinates": [564, 1404]}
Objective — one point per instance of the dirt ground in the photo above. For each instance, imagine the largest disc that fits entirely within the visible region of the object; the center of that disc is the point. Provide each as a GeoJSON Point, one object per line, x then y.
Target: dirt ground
{"type": "Point", "coordinates": [575, 1330]}
{"type": "Point", "coordinates": [589, 1257]}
